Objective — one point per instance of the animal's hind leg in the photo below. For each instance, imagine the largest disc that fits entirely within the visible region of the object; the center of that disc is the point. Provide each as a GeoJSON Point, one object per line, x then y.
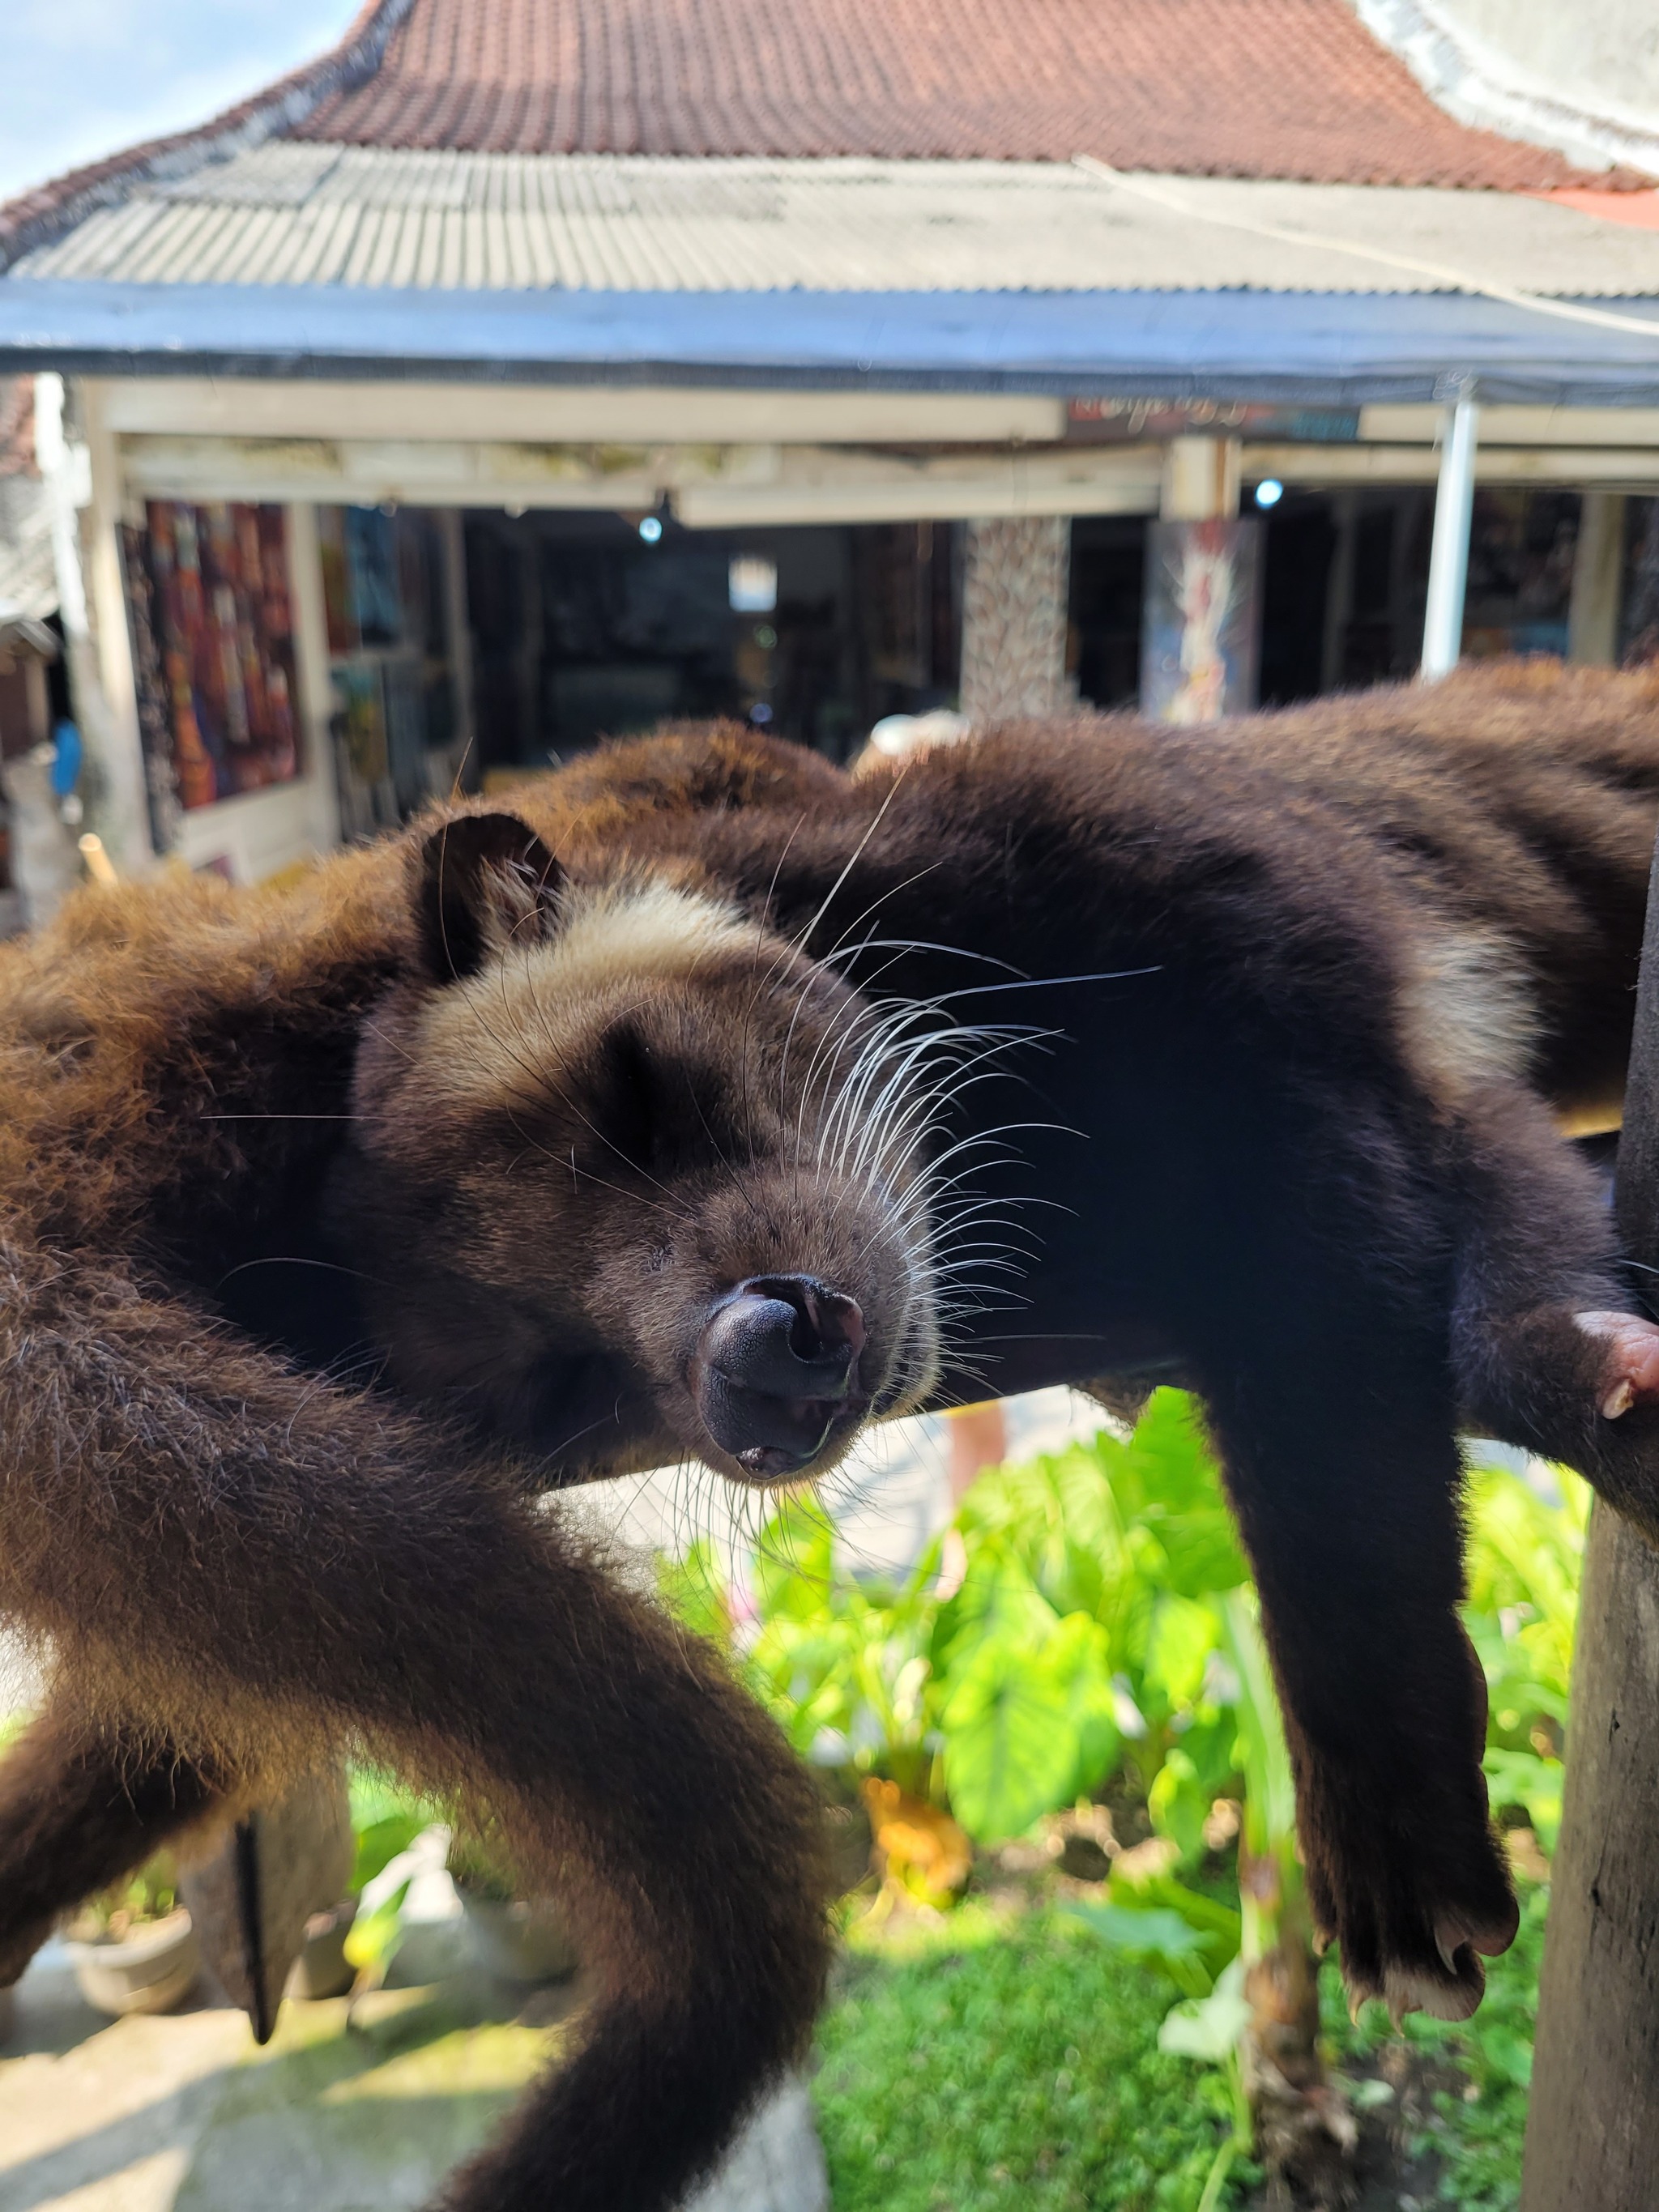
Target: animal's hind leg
{"type": "Point", "coordinates": [78, 1809]}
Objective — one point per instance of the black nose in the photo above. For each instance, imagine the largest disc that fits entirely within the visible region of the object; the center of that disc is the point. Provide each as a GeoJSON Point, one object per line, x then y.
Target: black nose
{"type": "Point", "coordinates": [775, 1367]}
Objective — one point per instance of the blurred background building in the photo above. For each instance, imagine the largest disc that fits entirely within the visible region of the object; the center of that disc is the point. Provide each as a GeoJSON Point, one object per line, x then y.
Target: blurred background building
{"type": "Point", "coordinates": [517, 375]}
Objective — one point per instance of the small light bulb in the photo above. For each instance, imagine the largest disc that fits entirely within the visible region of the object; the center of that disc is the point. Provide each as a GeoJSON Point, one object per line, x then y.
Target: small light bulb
{"type": "Point", "coordinates": [651, 529]}
{"type": "Point", "coordinates": [1269, 492]}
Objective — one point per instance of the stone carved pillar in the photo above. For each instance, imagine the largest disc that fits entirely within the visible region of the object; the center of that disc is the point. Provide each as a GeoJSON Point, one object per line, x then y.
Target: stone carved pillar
{"type": "Point", "coordinates": [1014, 592]}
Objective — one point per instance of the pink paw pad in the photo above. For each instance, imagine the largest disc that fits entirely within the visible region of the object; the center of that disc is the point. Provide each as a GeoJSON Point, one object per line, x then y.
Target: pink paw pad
{"type": "Point", "coordinates": [1631, 1375]}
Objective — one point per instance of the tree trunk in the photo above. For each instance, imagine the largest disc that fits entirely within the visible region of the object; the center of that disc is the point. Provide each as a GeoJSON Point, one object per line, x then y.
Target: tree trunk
{"type": "Point", "coordinates": [1593, 2128]}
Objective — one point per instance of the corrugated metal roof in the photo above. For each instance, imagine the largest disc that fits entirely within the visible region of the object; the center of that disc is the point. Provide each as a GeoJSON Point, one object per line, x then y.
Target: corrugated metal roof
{"type": "Point", "coordinates": [292, 214]}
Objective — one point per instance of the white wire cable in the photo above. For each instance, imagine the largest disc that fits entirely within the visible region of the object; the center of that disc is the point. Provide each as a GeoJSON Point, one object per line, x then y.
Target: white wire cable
{"type": "Point", "coordinates": [1507, 295]}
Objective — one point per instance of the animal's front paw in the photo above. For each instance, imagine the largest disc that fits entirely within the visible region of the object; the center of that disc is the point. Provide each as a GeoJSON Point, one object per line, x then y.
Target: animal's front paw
{"type": "Point", "coordinates": [1452, 1986]}
{"type": "Point", "coordinates": [1413, 1919]}
{"type": "Point", "coordinates": [1629, 1361]}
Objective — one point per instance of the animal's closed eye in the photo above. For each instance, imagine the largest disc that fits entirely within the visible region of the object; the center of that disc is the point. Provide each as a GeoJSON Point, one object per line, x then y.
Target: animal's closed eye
{"type": "Point", "coordinates": [657, 1110]}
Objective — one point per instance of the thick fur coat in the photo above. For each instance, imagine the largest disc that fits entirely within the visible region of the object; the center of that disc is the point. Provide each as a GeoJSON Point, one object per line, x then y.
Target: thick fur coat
{"type": "Point", "coordinates": [669, 1116]}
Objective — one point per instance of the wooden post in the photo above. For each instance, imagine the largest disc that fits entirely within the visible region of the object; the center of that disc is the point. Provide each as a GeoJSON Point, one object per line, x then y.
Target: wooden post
{"type": "Point", "coordinates": [1598, 572]}
{"type": "Point", "coordinates": [1593, 2128]}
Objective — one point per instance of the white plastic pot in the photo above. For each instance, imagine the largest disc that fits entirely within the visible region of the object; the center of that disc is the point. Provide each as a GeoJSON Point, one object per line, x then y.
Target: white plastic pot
{"type": "Point", "coordinates": [151, 1970]}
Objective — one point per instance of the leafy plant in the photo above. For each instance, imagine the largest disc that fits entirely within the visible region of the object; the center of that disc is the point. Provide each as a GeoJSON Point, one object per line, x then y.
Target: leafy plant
{"type": "Point", "coordinates": [1100, 1638]}
{"type": "Point", "coordinates": [386, 1819]}
{"type": "Point", "coordinates": [1080, 1638]}
{"type": "Point", "coordinates": [848, 1671]}
{"type": "Point", "coordinates": [1525, 1557]}
{"type": "Point", "coordinates": [126, 1906]}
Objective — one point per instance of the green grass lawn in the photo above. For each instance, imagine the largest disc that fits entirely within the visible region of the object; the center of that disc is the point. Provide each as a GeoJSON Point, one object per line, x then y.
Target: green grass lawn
{"type": "Point", "coordinates": [1004, 2058]}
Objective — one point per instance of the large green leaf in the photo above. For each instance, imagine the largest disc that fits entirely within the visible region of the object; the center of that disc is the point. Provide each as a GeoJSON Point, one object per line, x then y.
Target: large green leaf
{"type": "Point", "coordinates": [1179, 1804]}
{"type": "Point", "coordinates": [1219, 1924]}
{"type": "Point", "coordinates": [1170, 1485]}
{"type": "Point", "coordinates": [1156, 1932]}
{"type": "Point", "coordinates": [1159, 1935]}
{"type": "Point", "coordinates": [1029, 1726]}
{"type": "Point", "coordinates": [1010, 1744]}
{"type": "Point", "coordinates": [1078, 1655]}
{"type": "Point", "coordinates": [379, 1842]}
{"type": "Point", "coordinates": [998, 1602]}
{"type": "Point", "coordinates": [1184, 1633]}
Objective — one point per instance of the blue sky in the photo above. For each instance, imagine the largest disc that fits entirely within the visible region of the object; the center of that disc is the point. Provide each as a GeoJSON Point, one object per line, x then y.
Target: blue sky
{"type": "Point", "coordinates": [79, 78]}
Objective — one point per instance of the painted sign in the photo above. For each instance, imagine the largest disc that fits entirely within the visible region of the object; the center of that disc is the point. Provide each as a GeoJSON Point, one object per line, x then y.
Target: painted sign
{"type": "Point", "coordinates": [1131, 422]}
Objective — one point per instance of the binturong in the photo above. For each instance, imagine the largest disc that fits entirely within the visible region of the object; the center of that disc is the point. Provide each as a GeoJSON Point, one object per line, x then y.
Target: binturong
{"type": "Point", "coordinates": [695, 1109]}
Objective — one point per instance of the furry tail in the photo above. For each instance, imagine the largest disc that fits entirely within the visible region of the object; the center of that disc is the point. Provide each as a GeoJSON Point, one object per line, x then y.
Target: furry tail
{"type": "Point", "coordinates": [265, 1565]}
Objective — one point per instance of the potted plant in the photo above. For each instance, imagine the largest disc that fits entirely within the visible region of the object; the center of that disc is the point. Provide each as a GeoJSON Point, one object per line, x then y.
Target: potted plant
{"type": "Point", "coordinates": [133, 1947]}
{"type": "Point", "coordinates": [517, 1939]}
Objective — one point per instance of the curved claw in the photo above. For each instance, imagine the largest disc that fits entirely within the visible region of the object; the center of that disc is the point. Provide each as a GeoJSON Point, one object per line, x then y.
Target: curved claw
{"type": "Point", "coordinates": [1630, 1376]}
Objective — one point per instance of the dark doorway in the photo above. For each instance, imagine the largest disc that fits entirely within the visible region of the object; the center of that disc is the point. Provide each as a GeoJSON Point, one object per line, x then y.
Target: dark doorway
{"type": "Point", "coordinates": [1345, 582]}
{"type": "Point", "coordinates": [588, 625]}
{"type": "Point", "coordinates": [1109, 573]}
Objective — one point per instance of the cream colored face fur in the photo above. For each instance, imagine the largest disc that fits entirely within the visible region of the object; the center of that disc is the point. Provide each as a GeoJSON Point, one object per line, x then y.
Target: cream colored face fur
{"type": "Point", "coordinates": [542, 995]}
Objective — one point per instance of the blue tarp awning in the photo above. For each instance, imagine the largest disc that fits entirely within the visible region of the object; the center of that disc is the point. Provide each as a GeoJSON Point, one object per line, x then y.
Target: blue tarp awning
{"type": "Point", "coordinates": [1309, 349]}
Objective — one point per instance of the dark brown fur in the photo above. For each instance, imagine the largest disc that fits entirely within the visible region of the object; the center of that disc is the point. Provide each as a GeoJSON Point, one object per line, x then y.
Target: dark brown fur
{"type": "Point", "coordinates": [239, 1561]}
{"type": "Point", "coordinates": [1297, 1177]}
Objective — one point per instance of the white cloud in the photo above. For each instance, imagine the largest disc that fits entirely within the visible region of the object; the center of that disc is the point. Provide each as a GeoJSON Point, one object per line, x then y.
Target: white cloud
{"type": "Point", "coordinates": [84, 78]}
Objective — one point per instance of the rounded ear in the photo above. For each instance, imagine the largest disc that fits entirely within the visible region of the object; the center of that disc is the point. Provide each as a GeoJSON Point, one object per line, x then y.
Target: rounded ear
{"type": "Point", "coordinates": [485, 882]}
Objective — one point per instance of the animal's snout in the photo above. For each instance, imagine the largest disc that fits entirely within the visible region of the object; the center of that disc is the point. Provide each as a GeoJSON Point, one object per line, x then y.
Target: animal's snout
{"type": "Point", "coordinates": [775, 1367]}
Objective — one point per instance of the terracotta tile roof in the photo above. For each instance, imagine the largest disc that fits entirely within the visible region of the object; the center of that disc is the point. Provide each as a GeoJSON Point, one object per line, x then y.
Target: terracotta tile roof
{"type": "Point", "coordinates": [1289, 88]}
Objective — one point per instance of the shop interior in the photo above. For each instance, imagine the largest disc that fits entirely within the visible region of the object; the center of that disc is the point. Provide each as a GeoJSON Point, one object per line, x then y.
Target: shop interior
{"type": "Point", "coordinates": [468, 644]}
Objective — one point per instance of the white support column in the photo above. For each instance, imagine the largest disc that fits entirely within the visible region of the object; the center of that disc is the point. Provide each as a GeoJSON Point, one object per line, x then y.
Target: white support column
{"type": "Point", "coordinates": [92, 603]}
{"type": "Point", "coordinates": [1449, 555]}
{"type": "Point", "coordinates": [1598, 572]}
{"type": "Point", "coordinates": [315, 703]}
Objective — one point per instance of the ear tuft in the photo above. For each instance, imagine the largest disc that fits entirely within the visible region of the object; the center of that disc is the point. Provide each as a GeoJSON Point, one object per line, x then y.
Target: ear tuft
{"type": "Point", "coordinates": [486, 882]}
